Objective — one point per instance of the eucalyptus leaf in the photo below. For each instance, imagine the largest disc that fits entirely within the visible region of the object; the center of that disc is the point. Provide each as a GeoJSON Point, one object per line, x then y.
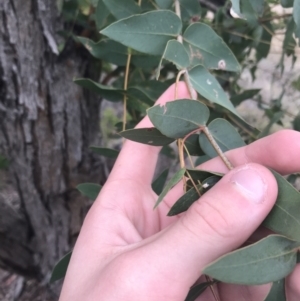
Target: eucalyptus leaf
{"type": "Point", "coordinates": [60, 268]}
{"type": "Point", "coordinates": [192, 145]}
{"type": "Point", "coordinates": [247, 94]}
{"type": "Point", "coordinates": [202, 159]}
{"type": "Point", "coordinates": [268, 260]}
{"type": "Point", "coordinates": [200, 175]}
{"type": "Point", "coordinates": [148, 32]}
{"type": "Point", "coordinates": [185, 201]}
{"type": "Point", "coordinates": [159, 183]}
{"type": "Point", "coordinates": [289, 42]}
{"type": "Point", "coordinates": [296, 123]}
{"type": "Point", "coordinates": [136, 105]}
{"type": "Point", "coordinates": [207, 86]}
{"type": "Point", "coordinates": [147, 91]}
{"type": "Point", "coordinates": [284, 218]}
{"type": "Point", "coordinates": [264, 45]}
{"type": "Point", "coordinates": [277, 292]}
{"type": "Point", "coordinates": [164, 4]}
{"type": "Point", "coordinates": [287, 3]}
{"type": "Point", "coordinates": [189, 9]}
{"type": "Point", "coordinates": [276, 118]}
{"type": "Point", "coordinates": [101, 15]}
{"type": "Point", "coordinates": [225, 135]}
{"type": "Point", "coordinates": [173, 181]}
{"type": "Point", "coordinates": [176, 54]}
{"type": "Point", "coordinates": [196, 291]}
{"type": "Point", "coordinates": [108, 50]}
{"type": "Point", "coordinates": [258, 6]}
{"type": "Point", "coordinates": [205, 47]}
{"type": "Point", "coordinates": [235, 6]}
{"type": "Point", "coordinates": [91, 190]}
{"type": "Point", "coordinates": [106, 152]}
{"type": "Point", "coordinates": [150, 136]}
{"type": "Point", "coordinates": [296, 15]}
{"type": "Point", "coordinates": [122, 9]}
{"type": "Point", "coordinates": [107, 92]}
{"type": "Point", "coordinates": [178, 118]}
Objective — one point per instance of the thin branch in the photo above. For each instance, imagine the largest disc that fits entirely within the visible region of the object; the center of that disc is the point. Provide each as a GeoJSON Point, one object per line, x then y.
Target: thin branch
{"type": "Point", "coordinates": [216, 147]}
{"type": "Point", "coordinates": [125, 88]}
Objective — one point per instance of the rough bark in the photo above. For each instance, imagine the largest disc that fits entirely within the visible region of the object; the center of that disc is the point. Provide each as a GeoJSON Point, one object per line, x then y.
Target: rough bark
{"type": "Point", "coordinates": [46, 126]}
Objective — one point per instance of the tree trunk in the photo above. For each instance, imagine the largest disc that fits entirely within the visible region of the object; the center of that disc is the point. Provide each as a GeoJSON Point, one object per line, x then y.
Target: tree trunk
{"type": "Point", "coordinates": [46, 126]}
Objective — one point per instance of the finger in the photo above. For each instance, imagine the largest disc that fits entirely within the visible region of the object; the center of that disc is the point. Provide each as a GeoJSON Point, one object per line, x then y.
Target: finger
{"type": "Point", "coordinates": [219, 222]}
{"type": "Point", "coordinates": [278, 151]}
{"type": "Point", "coordinates": [137, 161]}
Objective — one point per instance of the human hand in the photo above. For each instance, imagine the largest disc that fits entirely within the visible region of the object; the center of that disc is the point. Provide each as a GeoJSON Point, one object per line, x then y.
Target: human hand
{"type": "Point", "coordinates": [127, 251]}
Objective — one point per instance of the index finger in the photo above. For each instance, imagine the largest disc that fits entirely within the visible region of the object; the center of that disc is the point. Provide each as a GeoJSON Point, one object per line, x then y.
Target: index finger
{"type": "Point", "coordinates": [137, 161]}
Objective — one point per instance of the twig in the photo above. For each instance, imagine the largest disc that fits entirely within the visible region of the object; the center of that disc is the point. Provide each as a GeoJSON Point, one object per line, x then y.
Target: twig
{"type": "Point", "coordinates": [216, 147]}
{"type": "Point", "coordinates": [125, 88]}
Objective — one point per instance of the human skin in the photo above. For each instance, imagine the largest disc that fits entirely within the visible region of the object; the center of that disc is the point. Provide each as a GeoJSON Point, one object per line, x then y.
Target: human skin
{"type": "Point", "coordinates": [128, 251]}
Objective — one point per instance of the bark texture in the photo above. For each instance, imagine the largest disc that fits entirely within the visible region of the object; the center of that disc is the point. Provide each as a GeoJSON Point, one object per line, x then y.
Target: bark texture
{"type": "Point", "coordinates": [46, 126]}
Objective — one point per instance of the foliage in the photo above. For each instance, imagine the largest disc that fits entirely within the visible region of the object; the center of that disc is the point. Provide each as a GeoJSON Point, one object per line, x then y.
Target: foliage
{"type": "Point", "coordinates": [138, 42]}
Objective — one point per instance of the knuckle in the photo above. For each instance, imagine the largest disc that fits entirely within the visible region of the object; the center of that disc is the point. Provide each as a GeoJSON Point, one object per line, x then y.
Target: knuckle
{"type": "Point", "coordinates": [208, 219]}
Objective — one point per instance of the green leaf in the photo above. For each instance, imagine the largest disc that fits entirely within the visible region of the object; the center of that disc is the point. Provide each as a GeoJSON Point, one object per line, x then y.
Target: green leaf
{"type": "Point", "coordinates": [174, 180]}
{"type": "Point", "coordinates": [247, 94]}
{"type": "Point", "coordinates": [137, 105]}
{"type": "Point", "coordinates": [287, 3]}
{"type": "Point", "coordinates": [296, 15]}
{"type": "Point", "coordinates": [284, 218]}
{"type": "Point", "coordinates": [263, 48]}
{"type": "Point", "coordinates": [178, 118]}
{"type": "Point", "coordinates": [200, 174]}
{"type": "Point", "coordinates": [159, 183]}
{"type": "Point", "coordinates": [189, 9]}
{"type": "Point", "coordinates": [60, 268]}
{"type": "Point", "coordinates": [235, 5]}
{"type": "Point", "coordinates": [122, 9]}
{"type": "Point", "coordinates": [225, 135]}
{"type": "Point", "coordinates": [258, 6]}
{"type": "Point", "coordinates": [176, 54]}
{"type": "Point", "coordinates": [296, 123]}
{"type": "Point", "coordinates": [164, 4]}
{"type": "Point", "coordinates": [207, 86]}
{"type": "Point", "coordinates": [150, 136]}
{"type": "Point", "coordinates": [205, 47]}
{"type": "Point", "coordinates": [196, 291]}
{"type": "Point", "coordinates": [106, 50]}
{"type": "Point", "coordinates": [185, 201]}
{"type": "Point", "coordinates": [101, 15]}
{"type": "Point", "coordinates": [148, 91]}
{"type": "Point", "coordinates": [289, 42]}
{"type": "Point", "coordinates": [276, 117]}
{"type": "Point", "coordinates": [268, 260]}
{"type": "Point", "coordinates": [148, 32]}
{"type": "Point", "coordinates": [107, 92]}
{"type": "Point", "coordinates": [277, 292]}
{"type": "Point", "coordinates": [202, 159]}
{"type": "Point", "coordinates": [90, 190]}
{"type": "Point", "coordinates": [192, 145]}
{"type": "Point", "coordinates": [106, 152]}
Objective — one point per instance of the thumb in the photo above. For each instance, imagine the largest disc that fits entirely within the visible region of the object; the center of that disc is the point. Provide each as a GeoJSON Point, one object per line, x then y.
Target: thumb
{"type": "Point", "coordinates": [219, 222]}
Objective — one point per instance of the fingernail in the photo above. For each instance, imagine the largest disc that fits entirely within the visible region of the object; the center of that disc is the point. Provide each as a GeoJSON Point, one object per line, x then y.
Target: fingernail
{"type": "Point", "coordinates": [249, 182]}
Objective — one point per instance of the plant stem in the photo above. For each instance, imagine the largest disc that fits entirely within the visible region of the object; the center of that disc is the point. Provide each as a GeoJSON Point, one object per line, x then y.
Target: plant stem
{"type": "Point", "coordinates": [178, 13]}
{"type": "Point", "coordinates": [125, 89]}
{"type": "Point", "coordinates": [177, 80]}
{"type": "Point", "coordinates": [216, 147]}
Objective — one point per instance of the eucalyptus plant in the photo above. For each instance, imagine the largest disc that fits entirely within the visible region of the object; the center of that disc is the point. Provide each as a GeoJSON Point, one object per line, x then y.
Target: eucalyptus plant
{"type": "Point", "coordinates": [156, 43]}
